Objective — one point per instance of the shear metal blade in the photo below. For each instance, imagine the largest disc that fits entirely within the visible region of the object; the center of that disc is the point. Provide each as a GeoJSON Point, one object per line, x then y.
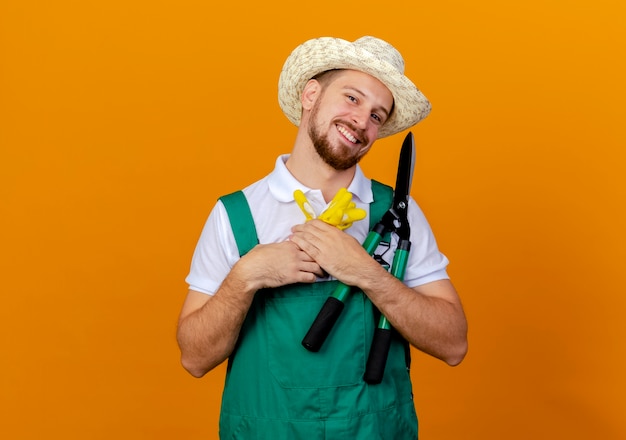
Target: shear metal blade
{"type": "Point", "coordinates": [404, 177]}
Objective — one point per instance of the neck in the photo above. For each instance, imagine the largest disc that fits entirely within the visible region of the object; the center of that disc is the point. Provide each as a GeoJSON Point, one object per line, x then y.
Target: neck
{"type": "Point", "coordinates": [306, 165]}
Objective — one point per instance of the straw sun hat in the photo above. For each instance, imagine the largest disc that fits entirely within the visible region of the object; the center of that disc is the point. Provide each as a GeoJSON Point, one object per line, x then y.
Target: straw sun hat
{"type": "Point", "coordinates": [367, 54]}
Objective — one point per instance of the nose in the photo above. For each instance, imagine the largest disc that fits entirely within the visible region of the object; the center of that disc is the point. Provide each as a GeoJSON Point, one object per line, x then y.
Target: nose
{"type": "Point", "coordinates": [359, 118]}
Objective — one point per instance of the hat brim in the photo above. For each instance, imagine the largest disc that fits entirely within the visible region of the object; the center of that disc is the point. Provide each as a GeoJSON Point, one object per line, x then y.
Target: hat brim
{"type": "Point", "coordinates": [319, 55]}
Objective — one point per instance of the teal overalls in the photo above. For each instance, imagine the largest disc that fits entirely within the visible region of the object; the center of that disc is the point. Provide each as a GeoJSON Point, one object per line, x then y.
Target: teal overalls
{"type": "Point", "coordinates": [277, 390]}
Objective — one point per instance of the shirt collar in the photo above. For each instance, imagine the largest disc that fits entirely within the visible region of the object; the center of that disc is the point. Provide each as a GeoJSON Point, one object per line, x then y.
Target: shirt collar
{"type": "Point", "coordinates": [282, 183]}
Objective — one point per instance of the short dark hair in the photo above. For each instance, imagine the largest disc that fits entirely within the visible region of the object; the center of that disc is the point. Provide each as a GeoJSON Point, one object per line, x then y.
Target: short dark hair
{"type": "Point", "coordinates": [326, 77]}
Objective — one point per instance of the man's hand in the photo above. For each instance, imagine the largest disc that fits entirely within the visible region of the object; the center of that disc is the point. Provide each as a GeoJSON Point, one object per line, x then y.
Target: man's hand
{"type": "Point", "coordinates": [209, 326]}
{"type": "Point", "coordinates": [277, 264]}
{"type": "Point", "coordinates": [338, 253]}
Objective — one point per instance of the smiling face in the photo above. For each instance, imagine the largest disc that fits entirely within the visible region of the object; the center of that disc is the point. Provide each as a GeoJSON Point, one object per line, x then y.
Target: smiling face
{"type": "Point", "coordinates": [346, 115]}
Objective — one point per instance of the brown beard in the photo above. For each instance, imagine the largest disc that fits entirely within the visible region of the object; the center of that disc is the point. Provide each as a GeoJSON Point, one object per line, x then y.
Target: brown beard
{"type": "Point", "coordinates": [339, 158]}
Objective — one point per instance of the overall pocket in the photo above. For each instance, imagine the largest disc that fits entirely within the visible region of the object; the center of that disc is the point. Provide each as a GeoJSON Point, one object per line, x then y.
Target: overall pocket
{"type": "Point", "coordinates": [340, 361]}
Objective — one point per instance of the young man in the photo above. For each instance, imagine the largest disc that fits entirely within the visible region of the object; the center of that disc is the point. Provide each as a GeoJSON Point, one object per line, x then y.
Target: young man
{"type": "Point", "coordinates": [252, 304]}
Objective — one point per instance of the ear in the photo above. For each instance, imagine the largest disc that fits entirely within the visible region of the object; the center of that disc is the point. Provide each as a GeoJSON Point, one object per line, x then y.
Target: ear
{"type": "Point", "coordinates": [310, 94]}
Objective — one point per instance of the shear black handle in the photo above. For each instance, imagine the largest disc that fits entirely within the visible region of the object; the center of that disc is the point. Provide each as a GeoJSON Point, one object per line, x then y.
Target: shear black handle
{"type": "Point", "coordinates": [323, 324]}
{"type": "Point", "coordinates": [377, 359]}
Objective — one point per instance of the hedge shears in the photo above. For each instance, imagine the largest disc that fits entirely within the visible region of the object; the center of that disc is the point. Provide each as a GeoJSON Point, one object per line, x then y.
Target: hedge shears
{"type": "Point", "coordinates": [393, 221]}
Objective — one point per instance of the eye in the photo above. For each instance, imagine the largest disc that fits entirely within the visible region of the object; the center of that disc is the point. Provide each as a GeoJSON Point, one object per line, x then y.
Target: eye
{"type": "Point", "coordinates": [351, 98]}
{"type": "Point", "coordinates": [377, 118]}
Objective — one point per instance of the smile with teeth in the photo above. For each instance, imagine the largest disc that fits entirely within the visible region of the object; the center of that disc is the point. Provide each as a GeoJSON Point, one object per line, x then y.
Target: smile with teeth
{"type": "Point", "coordinates": [347, 134]}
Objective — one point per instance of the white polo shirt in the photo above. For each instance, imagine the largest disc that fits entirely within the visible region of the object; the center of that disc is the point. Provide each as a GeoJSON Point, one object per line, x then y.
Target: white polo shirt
{"type": "Point", "coordinates": [275, 211]}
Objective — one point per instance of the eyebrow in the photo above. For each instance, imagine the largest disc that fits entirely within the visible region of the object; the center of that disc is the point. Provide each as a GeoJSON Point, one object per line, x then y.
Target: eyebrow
{"type": "Point", "coordinates": [381, 108]}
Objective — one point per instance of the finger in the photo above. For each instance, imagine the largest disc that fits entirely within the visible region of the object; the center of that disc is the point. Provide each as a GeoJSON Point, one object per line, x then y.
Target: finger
{"type": "Point", "coordinates": [313, 268]}
{"type": "Point", "coordinates": [305, 277]}
{"type": "Point", "coordinates": [305, 242]}
{"type": "Point", "coordinates": [304, 257]}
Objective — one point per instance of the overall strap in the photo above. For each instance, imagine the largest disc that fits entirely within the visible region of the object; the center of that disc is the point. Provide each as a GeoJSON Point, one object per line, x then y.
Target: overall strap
{"type": "Point", "coordinates": [383, 198]}
{"type": "Point", "coordinates": [241, 221]}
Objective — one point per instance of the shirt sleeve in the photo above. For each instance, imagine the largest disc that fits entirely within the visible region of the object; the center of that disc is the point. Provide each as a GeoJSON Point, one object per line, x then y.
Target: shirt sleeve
{"type": "Point", "coordinates": [426, 263]}
{"type": "Point", "coordinates": [215, 254]}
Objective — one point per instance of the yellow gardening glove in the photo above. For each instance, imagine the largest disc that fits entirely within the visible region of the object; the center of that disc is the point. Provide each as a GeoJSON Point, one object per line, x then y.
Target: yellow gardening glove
{"type": "Point", "coordinates": [350, 215]}
{"type": "Point", "coordinates": [334, 213]}
{"type": "Point", "coordinates": [304, 205]}
{"type": "Point", "coordinates": [341, 211]}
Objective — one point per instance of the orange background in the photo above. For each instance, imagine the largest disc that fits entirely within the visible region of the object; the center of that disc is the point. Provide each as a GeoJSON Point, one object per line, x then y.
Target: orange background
{"type": "Point", "coordinates": [122, 121]}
